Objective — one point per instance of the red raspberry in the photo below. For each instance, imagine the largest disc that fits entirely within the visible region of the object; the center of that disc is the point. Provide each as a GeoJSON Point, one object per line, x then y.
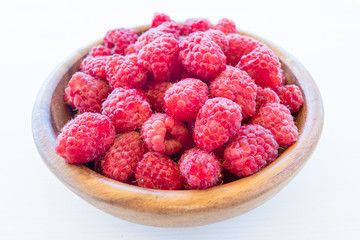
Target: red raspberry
{"type": "Point", "coordinates": [86, 93]}
{"type": "Point", "coordinates": [127, 108]}
{"type": "Point", "coordinates": [277, 118]}
{"type": "Point", "coordinates": [199, 169]}
{"type": "Point", "coordinates": [201, 56]}
{"type": "Point", "coordinates": [130, 49]}
{"type": "Point", "coordinates": [122, 157]}
{"type": "Point", "coordinates": [155, 92]}
{"type": "Point", "coordinates": [254, 149]}
{"type": "Point", "coordinates": [283, 77]}
{"type": "Point", "coordinates": [240, 45]}
{"type": "Point", "coordinates": [217, 121]}
{"type": "Point", "coordinates": [291, 97]}
{"type": "Point", "coordinates": [159, 18]}
{"type": "Point", "coordinates": [147, 37]}
{"type": "Point", "coordinates": [227, 26]}
{"type": "Point", "coordinates": [164, 134]}
{"type": "Point", "coordinates": [184, 99]}
{"type": "Point", "coordinates": [95, 66]}
{"type": "Point", "coordinates": [194, 25]}
{"type": "Point", "coordinates": [265, 95]}
{"type": "Point", "coordinates": [263, 66]}
{"type": "Point", "coordinates": [85, 138]}
{"type": "Point", "coordinates": [170, 27]}
{"type": "Point", "coordinates": [118, 39]}
{"type": "Point", "coordinates": [237, 86]}
{"type": "Point", "coordinates": [121, 72]}
{"type": "Point", "coordinates": [133, 58]}
{"type": "Point", "coordinates": [158, 171]}
{"type": "Point", "coordinates": [159, 57]}
{"type": "Point", "coordinates": [99, 51]}
{"type": "Point", "coordinates": [219, 38]}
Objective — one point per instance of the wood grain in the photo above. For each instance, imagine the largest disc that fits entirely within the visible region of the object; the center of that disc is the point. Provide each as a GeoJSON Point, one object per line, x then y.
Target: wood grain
{"type": "Point", "coordinates": [175, 208]}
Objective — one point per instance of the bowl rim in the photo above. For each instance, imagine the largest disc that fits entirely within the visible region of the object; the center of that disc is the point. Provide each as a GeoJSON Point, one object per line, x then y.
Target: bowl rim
{"type": "Point", "coordinates": [233, 196]}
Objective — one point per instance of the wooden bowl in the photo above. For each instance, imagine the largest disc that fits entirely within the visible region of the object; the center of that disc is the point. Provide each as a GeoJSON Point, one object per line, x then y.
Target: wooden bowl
{"type": "Point", "coordinates": [182, 208]}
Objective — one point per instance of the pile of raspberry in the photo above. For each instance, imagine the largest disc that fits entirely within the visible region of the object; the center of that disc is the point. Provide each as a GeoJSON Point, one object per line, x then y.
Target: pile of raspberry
{"type": "Point", "coordinates": [179, 106]}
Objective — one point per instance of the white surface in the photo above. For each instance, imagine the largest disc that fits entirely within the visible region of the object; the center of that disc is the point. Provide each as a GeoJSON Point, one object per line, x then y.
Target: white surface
{"type": "Point", "coordinates": [322, 202]}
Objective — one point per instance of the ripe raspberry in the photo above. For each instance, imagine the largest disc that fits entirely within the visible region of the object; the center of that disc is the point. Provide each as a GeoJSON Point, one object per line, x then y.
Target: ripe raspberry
{"type": "Point", "coordinates": [121, 72]}
{"type": "Point", "coordinates": [85, 138]}
{"type": "Point", "coordinates": [99, 51]}
{"type": "Point", "coordinates": [277, 118]}
{"type": "Point", "coordinates": [158, 171]}
{"type": "Point", "coordinates": [237, 86]}
{"type": "Point", "coordinates": [130, 49]}
{"type": "Point", "coordinates": [164, 134]}
{"type": "Point", "coordinates": [159, 18]}
{"type": "Point", "coordinates": [95, 66]}
{"type": "Point", "coordinates": [265, 95]}
{"type": "Point", "coordinates": [122, 157]}
{"type": "Point", "coordinates": [194, 25]}
{"type": "Point", "coordinates": [86, 93]}
{"type": "Point", "coordinates": [201, 56]}
{"type": "Point", "coordinates": [127, 108]}
{"type": "Point", "coordinates": [199, 169]}
{"type": "Point", "coordinates": [240, 45]}
{"type": "Point", "coordinates": [283, 77]}
{"type": "Point", "coordinates": [254, 149]}
{"type": "Point", "coordinates": [263, 66]}
{"type": "Point", "coordinates": [146, 38]}
{"type": "Point", "coordinates": [219, 38]}
{"type": "Point", "coordinates": [291, 97]}
{"type": "Point", "coordinates": [184, 99]}
{"type": "Point", "coordinates": [159, 57]}
{"type": "Point", "coordinates": [155, 92]}
{"type": "Point", "coordinates": [227, 26]}
{"type": "Point", "coordinates": [170, 27]}
{"type": "Point", "coordinates": [118, 39]}
{"type": "Point", "coordinates": [217, 121]}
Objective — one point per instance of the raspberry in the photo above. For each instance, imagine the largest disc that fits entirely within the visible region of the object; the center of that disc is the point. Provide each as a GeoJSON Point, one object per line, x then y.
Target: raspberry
{"type": "Point", "coordinates": [265, 95]}
{"type": "Point", "coordinates": [277, 118]}
{"type": "Point", "coordinates": [99, 51]}
{"type": "Point", "coordinates": [159, 57]}
{"type": "Point", "coordinates": [130, 49]}
{"type": "Point", "coordinates": [263, 66]}
{"type": "Point", "coordinates": [121, 72]}
{"type": "Point", "coordinates": [199, 169]}
{"type": "Point", "coordinates": [127, 108]}
{"type": "Point", "coordinates": [254, 149]}
{"type": "Point", "coordinates": [158, 171]}
{"type": "Point", "coordinates": [95, 66]}
{"type": "Point", "coordinates": [122, 157]}
{"type": "Point", "coordinates": [237, 86]}
{"type": "Point", "coordinates": [291, 97]}
{"type": "Point", "coordinates": [164, 134]}
{"type": "Point", "coordinates": [240, 45]}
{"type": "Point", "coordinates": [201, 56]}
{"type": "Point", "coordinates": [194, 25]}
{"type": "Point", "coordinates": [118, 39]}
{"type": "Point", "coordinates": [184, 99]}
{"type": "Point", "coordinates": [170, 27]}
{"type": "Point", "coordinates": [283, 77]}
{"type": "Point", "coordinates": [85, 138]}
{"type": "Point", "coordinates": [147, 37]}
{"type": "Point", "coordinates": [227, 26]}
{"type": "Point", "coordinates": [155, 92]}
{"type": "Point", "coordinates": [159, 18]}
{"type": "Point", "coordinates": [219, 38]}
{"type": "Point", "coordinates": [217, 121]}
{"type": "Point", "coordinates": [86, 93]}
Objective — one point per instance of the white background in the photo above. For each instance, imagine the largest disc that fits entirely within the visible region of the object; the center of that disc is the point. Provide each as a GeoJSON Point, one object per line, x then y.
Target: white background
{"type": "Point", "coordinates": [322, 202]}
